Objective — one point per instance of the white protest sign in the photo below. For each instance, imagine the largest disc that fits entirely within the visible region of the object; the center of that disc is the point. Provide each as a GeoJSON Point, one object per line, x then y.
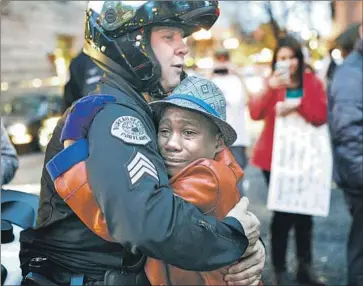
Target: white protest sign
{"type": "Point", "coordinates": [301, 168]}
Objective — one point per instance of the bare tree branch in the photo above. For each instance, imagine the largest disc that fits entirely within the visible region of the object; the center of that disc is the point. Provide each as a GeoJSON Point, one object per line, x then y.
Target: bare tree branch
{"type": "Point", "coordinates": [273, 22]}
{"type": "Point", "coordinates": [285, 14]}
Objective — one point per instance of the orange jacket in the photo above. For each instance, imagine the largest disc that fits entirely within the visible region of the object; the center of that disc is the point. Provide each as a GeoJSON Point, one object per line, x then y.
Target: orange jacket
{"type": "Point", "coordinates": [211, 185]}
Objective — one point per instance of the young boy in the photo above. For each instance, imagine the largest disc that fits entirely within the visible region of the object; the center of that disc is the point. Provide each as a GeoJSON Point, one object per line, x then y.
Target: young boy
{"type": "Point", "coordinates": [192, 139]}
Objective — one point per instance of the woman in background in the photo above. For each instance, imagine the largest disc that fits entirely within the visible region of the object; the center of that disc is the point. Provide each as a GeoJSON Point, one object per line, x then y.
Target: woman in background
{"type": "Point", "coordinates": [289, 79]}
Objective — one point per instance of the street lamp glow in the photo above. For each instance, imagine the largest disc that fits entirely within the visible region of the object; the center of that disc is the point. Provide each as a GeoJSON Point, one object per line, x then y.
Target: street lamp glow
{"type": "Point", "coordinates": [55, 81]}
{"type": "Point", "coordinates": [61, 68]}
{"type": "Point", "coordinates": [266, 55]}
{"type": "Point", "coordinates": [4, 86]}
{"type": "Point", "coordinates": [306, 34]}
{"type": "Point", "coordinates": [313, 44]}
{"type": "Point", "coordinates": [188, 61]}
{"type": "Point", "coordinates": [205, 63]}
{"type": "Point", "coordinates": [318, 65]}
{"type": "Point", "coordinates": [202, 35]}
{"type": "Point", "coordinates": [336, 54]}
{"type": "Point", "coordinates": [17, 129]}
{"type": "Point", "coordinates": [37, 83]}
{"type": "Point", "coordinates": [231, 44]}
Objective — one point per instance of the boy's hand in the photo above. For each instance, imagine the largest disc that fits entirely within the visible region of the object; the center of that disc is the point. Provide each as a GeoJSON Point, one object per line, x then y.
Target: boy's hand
{"type": "Point", "coordinates": [249, 222]}
{"type": "Point", "coordinates": [248, 271]}
{"type": "Point", "coordinates": [252, 248]}
{"type": "Point", "coordinates": [81, 115]}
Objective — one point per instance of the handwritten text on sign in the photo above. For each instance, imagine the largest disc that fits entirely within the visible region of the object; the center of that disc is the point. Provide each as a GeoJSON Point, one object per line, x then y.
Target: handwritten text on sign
{"type": "Point", "coordinates": [301, 167]}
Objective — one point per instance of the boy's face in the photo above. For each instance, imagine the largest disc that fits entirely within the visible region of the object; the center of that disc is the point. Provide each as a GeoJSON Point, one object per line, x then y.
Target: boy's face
{"type": "Point", "coordinates": [185, 136]}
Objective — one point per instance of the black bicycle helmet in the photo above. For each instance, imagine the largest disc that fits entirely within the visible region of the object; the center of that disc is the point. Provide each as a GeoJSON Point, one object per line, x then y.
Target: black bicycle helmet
{"type": "Point", "coordinates": [117, 35]}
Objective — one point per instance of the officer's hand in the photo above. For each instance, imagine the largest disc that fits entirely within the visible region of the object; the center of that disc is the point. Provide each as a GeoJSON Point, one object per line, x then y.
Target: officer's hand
{"type": "Point", "coordinates": [248, 271]}
{"type": "Point", "coordinates": [250, 223]}
{"type": "Point", "coordinates": [81, 115]}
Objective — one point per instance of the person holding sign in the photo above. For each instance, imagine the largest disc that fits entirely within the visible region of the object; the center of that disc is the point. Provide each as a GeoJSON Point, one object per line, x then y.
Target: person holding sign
{"type": "Point", "coordinates": [290, 88]}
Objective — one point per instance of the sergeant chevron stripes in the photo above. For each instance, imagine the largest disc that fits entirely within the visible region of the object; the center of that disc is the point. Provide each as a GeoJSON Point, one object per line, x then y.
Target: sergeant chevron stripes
{"type": "Point", "coordinates": [139, 166]}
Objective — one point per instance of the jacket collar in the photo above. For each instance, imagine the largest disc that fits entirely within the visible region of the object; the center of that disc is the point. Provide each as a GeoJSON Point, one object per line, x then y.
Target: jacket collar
{"type": "Point", "coordinates": [224, 157]}
{"type": "Point", "coordinates": [113, 81]}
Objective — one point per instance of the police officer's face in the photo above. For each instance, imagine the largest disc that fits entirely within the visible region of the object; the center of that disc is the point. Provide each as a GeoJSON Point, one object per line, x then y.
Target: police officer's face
{"type": "Point", "coordinates": [185, 136]}
{"type": "Point", "coordinates": [169, 49]}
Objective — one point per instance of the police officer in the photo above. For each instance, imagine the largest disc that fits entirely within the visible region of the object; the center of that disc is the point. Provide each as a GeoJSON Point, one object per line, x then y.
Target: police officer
{"type": "Point", "coordinates": [84, 75]}
{"type": "Point", "coordinates": [140, 48]}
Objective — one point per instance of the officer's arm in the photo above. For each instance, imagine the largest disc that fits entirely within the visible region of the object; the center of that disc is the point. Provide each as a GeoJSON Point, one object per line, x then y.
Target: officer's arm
{"type": "Point", "coordinates": [130, 184]}
{"type": "Point", "coordinates": [70, 89]}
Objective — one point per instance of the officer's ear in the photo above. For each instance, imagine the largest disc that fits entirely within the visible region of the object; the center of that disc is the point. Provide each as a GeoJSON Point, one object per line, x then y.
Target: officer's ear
{"type": "Point", "coordinates": [220, 145]}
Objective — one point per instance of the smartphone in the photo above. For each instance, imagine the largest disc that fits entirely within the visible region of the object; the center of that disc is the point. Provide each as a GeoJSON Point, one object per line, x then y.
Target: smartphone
{"type": "Point", "coordinates": [284, 68]}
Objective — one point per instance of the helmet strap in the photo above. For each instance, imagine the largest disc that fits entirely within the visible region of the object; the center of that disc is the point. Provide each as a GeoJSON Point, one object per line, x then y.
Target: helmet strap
{"type": "Point", "coordinates": [158, 92]}
{"type": "Point", "coordinates": [109, 66]}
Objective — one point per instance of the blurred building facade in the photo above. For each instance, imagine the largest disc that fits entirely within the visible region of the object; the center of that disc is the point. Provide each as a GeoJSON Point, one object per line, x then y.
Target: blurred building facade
{"type": "Point", "coordinates": [38, 40]}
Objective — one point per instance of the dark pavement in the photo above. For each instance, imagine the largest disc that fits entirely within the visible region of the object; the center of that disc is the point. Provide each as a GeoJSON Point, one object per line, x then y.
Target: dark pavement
{"type": "Point", "coordinates": [330, 233]}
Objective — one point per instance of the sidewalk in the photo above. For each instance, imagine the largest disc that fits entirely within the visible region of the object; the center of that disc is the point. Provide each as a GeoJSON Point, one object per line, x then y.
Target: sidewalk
{"type": "Point", "coordinates": [330, 233]}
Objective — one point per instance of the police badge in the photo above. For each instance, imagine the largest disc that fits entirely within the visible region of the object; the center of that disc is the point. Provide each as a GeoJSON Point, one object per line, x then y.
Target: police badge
{"type": "Point", "coordinates": [130, 130]}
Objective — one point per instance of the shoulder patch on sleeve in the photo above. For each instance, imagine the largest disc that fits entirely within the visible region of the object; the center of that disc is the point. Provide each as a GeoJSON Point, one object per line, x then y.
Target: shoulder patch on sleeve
{"type": "Point", "coordinates": [130, 130]}
{"type": "Point", "coordinates": [139, 166]}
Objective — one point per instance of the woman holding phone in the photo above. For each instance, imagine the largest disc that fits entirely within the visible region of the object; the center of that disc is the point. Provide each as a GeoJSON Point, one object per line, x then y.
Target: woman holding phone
{"type": "Point", "coordinates": [290, 88]}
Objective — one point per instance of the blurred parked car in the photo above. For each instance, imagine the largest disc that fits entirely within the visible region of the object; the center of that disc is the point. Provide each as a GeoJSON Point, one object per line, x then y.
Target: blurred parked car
{"type": "Point", "coordinates": [29, 119]}
{"type": "Point", "coordinates": [46, 131]}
